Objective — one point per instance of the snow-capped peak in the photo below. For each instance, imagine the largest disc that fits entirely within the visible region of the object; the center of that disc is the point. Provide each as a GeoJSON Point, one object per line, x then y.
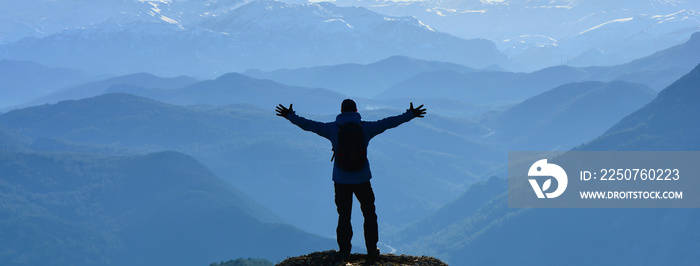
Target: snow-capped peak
{"type": "Point", "coordinates": [622, 20]}
{"type": "Point", "coordinates": [156, 12]}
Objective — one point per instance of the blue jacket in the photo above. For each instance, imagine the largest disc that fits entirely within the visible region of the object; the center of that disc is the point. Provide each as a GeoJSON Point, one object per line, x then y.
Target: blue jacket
{"type": "Point", "coordinates": [329, 130]}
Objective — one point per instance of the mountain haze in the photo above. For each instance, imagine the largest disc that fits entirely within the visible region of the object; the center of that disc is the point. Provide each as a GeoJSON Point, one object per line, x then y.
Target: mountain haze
{"type": "Point", "coordinates": [21, 81]}
{"type": "Point", "coordinates": [234, 88]}
{"type": "Point", "coordinates": [358, 80]}
{"type": "Point", "coordinates": [489, 87]}
{"type": "Point", "coordinates": [666, 123]}
{"type": "Point", "coordinates": [91, 89]}
{"type": "Point", "coordinates": [567, 116]}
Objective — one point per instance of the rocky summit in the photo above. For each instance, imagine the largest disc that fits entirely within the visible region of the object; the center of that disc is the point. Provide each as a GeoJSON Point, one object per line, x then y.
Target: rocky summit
{"type": "Point", "coordinates": [332, 257]}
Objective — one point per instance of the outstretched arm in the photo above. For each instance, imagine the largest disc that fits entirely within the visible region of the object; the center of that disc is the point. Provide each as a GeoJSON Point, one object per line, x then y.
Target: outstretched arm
{"type": "Point", "coordinates": [377, 127]}
{"type": "Point", "coordinates": [319, 128]}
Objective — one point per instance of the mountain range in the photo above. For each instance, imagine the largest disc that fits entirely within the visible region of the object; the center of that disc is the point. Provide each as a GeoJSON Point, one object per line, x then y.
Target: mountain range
{"type": "Point", "coordinates": [38, 18]}
{"type": "Point", "coordinates": [264, 155]}
{"type": "Point", "coordinates": [234, 88]}
{"type": "Point", "coordinates": [260, 34]}
{"type": "Point", "coordinates": [358, 80]}
{"type": "Point", "coordinates": [161, 208]}
{"type": "Point", "coordinates": [401, 78]}
{"type": "Point", "coordinates": [392, 79]}
{"type": "Point", "coordinates": [224, 36]}
{"type": "Point", "coordinates": [592, 32]}
{"type": "Point", "coordinates": [578, 236]}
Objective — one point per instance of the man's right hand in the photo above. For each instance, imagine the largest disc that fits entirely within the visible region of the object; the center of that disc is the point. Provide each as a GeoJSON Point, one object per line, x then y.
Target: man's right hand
{"type": "Point", "coordinates": [283, 111]}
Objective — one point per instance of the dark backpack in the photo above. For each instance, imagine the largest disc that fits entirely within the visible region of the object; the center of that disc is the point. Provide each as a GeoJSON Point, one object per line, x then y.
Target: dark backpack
{"type": "Point", "coordinates": [351, 152]}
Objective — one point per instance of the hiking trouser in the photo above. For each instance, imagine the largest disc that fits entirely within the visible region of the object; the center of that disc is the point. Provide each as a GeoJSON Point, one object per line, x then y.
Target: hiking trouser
{"type": "Point", "coordinates": [343, 201]}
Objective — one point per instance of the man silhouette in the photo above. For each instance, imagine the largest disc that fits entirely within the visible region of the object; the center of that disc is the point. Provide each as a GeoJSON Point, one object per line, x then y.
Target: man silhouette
{"type": "Point", "coordinates": [355, 182]}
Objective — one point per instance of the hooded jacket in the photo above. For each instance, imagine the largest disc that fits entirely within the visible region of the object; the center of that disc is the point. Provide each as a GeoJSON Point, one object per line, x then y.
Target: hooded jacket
{"type": "Point", "coordinates": [329, 131]}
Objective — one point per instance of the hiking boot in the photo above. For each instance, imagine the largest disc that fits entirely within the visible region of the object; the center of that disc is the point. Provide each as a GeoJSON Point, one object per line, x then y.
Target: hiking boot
{"type": "Point", "coordinates": [373, 252]}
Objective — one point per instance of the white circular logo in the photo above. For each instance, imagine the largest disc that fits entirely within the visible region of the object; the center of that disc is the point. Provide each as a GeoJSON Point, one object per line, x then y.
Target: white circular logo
{"type": "Point", "coordinates": [542, 168]}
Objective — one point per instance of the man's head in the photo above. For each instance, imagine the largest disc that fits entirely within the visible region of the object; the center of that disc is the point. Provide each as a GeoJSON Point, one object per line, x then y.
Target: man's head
{"type": "Point", "coordinates": [348, 106]}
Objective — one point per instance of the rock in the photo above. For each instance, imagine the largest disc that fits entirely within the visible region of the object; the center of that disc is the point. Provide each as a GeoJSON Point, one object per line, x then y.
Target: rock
{"type": "Point", "coordinates": [332, 257]}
